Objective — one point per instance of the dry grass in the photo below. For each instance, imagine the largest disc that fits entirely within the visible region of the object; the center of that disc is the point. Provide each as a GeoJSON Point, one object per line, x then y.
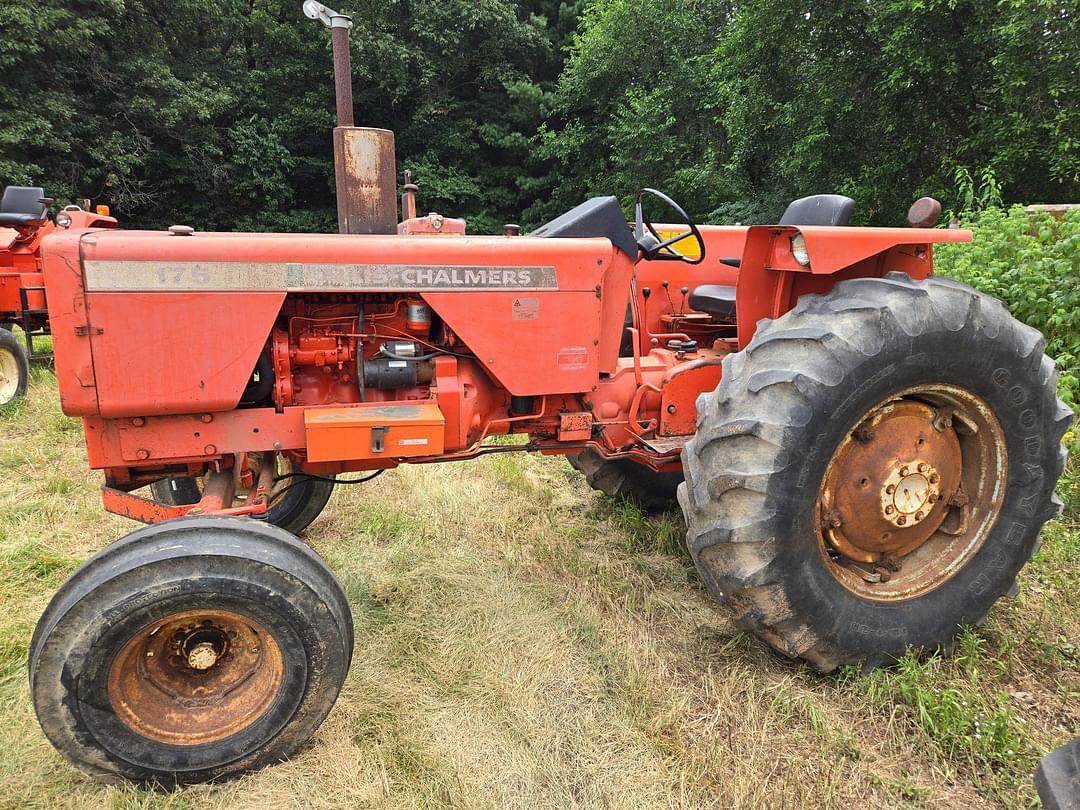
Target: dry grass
{"type": "Point", "coordinates": [524, 642]}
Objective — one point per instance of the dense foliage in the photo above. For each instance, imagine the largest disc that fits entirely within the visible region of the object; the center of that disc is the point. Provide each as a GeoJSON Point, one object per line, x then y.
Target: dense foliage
{"type": "Point", "coordinates": [1032, 263]}
{"type": "Point", "coordinates": [219, 113]}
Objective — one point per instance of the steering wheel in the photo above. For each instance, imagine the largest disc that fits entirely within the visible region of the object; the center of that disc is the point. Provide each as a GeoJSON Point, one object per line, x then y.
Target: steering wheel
{"type": "Point", "coordinates": [652, 245]}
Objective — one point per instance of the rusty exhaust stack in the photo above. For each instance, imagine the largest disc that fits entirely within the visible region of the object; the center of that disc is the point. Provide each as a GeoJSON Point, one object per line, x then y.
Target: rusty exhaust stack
{"type": "Point", "coordinates": [364, 163]}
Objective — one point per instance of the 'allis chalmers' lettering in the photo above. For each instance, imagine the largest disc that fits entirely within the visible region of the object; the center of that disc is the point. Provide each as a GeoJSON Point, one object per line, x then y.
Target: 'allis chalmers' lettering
{"type": "Point", "coordinates": [195, 275]}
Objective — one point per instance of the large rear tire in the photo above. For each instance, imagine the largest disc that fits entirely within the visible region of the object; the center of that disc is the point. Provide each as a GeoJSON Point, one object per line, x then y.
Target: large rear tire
{"type": "Point", "coordinates": [14, 368]}
{"type": "Point", "coordinates": [874, 469]}
{"type": "Point", "coordinates": [627, 480]}
{"type": "Point", "coordinates": [190, 650]}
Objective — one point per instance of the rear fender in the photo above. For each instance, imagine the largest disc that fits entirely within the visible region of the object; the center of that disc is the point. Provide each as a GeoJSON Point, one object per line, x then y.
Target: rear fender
{"type": "Point", "coordinates": [771, 280]}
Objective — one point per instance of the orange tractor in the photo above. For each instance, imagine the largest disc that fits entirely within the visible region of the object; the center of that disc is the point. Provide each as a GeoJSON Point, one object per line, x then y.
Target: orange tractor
{"type": "Point", "coordinates": [24, 222]}
{"type": "Point", "coordinates": [864, 453]}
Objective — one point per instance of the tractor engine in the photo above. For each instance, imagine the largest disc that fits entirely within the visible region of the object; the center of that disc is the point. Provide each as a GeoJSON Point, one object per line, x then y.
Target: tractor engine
{"type": "Point", "coordinates": [347, 349]}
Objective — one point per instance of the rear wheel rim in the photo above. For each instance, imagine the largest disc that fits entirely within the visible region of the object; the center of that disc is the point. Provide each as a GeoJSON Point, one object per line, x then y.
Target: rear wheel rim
{"type": "Point", "coordinates": [9, 376]}
{"type": "Point", "coordinates": [195, 677]}
{"type": "Point", "coordinates": [912, 492]}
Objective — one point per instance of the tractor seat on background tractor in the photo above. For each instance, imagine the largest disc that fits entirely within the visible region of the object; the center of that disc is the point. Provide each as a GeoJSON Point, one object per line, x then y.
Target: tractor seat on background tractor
{"type": "Point", "coordinates": [22, 205]}
{"type": "Point", "coordinates": [718, 300]}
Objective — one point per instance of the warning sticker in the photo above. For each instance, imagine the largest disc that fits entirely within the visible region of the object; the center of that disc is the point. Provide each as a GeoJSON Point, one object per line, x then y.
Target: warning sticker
{"type": "Point", "coordinates": [571, 358]}
{"type": "Point", "coordinates": [525, 309]}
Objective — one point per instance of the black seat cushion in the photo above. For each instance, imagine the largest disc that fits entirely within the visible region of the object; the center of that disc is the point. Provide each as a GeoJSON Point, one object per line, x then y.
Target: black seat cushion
{"type": "Point", "coordinates": [716, 299]}
{"type": "Point", "coordinates": [820, 209]}
{"type": "Point", "coordinates": [22, 204]}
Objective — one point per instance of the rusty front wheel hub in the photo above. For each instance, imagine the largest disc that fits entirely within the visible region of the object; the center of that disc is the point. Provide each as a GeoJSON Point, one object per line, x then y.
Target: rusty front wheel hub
{"type": "Point", "coordinates": [911, 492]}
{"type": "Point", "coordinates": [195, 677]}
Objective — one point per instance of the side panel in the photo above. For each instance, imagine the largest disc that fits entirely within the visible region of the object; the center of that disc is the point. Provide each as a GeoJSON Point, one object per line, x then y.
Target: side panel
{"type": "Point", "coordinates": [157, 353]}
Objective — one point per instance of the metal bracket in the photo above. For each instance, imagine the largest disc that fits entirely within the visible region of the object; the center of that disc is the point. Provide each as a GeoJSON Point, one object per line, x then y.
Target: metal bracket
{"type": "Point", "coordinates": [378, 438]}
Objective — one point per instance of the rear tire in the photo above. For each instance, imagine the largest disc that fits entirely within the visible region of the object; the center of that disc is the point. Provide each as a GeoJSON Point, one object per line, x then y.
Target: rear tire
{"type": "Point", "coordinates": [627, 480]}
{"type": "Point", "coordinates": [190, 650]}
{"type": "Point", "coordinates": [757, 471]}
{"type": "Point", "coordinates": [14, 368]}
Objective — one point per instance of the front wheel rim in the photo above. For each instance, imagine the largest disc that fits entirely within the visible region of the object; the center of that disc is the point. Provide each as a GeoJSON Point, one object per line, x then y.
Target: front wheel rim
{"type": "Point", "coordinates": [9, 376]}
{"type": "Point", "coordinates": [911, 492]}
{"type": "Point", "coordinates": [195, 677]}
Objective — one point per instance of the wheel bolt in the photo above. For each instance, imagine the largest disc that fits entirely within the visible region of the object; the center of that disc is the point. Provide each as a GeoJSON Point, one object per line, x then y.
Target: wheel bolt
{"type": "Point", "coordinates": [934, 478]}
{"type": "Point", "coordinates": [889, 510]}
{"type": "Point", "coordinates": [918, 515]}
{"type": "Point", "coordinates": [890, 489]}
{"type": "Point", "coordinates": [900, 521]}
{"type": "Point", "coordinates": [904, 471]}
{"type": "Point", "coordinates": [922, 467]}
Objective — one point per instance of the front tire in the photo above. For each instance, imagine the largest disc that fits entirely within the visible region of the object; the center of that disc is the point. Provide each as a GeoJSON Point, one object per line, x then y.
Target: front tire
{"type": "Point", "coordinates": [878, 390]}
{"type": "Point", "coordinates": [190, 650]}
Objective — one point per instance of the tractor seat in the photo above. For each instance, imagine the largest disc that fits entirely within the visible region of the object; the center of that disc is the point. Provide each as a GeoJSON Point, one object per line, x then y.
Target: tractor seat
{"type": "Point", "coordinates": [717, 300]}
{"type": "Point", "coordinates": [21, 205]}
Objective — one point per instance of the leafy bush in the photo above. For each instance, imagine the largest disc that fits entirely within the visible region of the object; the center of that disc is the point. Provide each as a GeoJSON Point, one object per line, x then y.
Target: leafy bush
{"type": "Point", "coordinates": [1032, 263]}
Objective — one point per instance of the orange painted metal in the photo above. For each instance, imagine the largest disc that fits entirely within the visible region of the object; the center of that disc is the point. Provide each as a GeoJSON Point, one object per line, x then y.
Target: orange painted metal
{"type": "Point", "coordinates": [20, 263]}
{"type": "Point", "coordinates": [376, 430]}
{"type": "Point", "coordinates": [161, 340]}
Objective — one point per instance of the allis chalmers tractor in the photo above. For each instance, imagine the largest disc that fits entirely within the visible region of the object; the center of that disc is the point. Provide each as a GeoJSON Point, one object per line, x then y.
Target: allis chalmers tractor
{"type": "Point", "coordinates": [864, 452]}
{"type": "Point", "coordinates": [24, 222]}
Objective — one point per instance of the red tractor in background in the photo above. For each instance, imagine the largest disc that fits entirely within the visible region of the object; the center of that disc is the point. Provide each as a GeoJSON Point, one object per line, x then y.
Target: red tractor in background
{"type": "Point", "coordinates": [24, 222]}
{"type": "Point", "coordinates": [864, 453]}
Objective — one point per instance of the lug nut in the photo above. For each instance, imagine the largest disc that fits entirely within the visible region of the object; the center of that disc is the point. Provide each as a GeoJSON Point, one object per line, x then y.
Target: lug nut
{"type": "Point", "coordinates": [918, 515]}
{"type": "Point", "coordinates": [890, 489]}
{"type": "Point", "coordinates": [934, 478]}
{"type": "Point", "coordinates": [904, 471]}
{"type": "Point", "coordinates": [889, 510]}
{"type": "Point", "coordinates": [922, 467]}
{"type": "Point", "coordinates": [900, 521]}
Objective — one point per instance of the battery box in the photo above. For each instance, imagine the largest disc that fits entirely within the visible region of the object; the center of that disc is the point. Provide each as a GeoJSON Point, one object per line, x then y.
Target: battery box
{"type": "Point", "coordinates": [374, 430]}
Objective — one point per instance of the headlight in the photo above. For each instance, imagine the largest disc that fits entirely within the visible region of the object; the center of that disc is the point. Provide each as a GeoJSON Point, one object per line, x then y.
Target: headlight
{"type": "Point", "coordinates": [798, 249]}
{"type": "Point", "coordinates": [63, 220]}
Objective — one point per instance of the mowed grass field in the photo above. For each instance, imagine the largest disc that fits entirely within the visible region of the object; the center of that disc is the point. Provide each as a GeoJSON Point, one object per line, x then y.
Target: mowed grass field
{"type": "Point", "coordinates": [525, 642]}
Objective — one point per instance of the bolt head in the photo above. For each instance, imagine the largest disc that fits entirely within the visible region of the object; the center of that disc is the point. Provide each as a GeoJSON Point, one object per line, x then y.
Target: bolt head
{"type": "Point", "coordinates": [901, 520]}
{"type": "Point", "coordinates": [889, 510]}
{"type": "Point", "coordinates": [904, 471]}
{"type": "Point", "coordinates": [918, 515]}
{"type": "Point", "coordinates": [921, 467]}
{"type": "Point", "coordinates": [890, 489]}
{"type": "Point", "coordinates": [934, 478]}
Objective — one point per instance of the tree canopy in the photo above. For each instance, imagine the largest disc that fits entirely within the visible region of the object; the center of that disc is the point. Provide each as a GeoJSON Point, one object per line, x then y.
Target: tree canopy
{"type": "Point", "coordinates": [220, 114]}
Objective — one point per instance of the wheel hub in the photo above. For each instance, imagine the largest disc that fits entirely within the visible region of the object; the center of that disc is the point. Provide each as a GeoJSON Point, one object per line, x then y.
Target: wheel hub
{"type": "Point", "coordinates": [910, 492]}
{"type": "Point", "coordinates": [9, 376]}
{"type": "Point", "coordinates": [195, 677]}
{"type": "Point", "coordinates": [889, 482]}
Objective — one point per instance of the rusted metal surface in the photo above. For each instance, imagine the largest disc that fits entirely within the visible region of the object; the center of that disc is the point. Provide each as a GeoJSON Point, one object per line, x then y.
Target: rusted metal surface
{"type": "Point", "coordinates": [195, 677]}
{"type": "Point", "coordinates": [911, 492]}
{"type": "Point", "coordinates": [138, 508]}
{"type": "Point", "coordinates": [366, 172]}
{"type": "Point", "coordinates": [339, 36]}
{"type": "Point", "coordinates": [575, 427]}
{"type": "Point", "coordinates": [878, 495]}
